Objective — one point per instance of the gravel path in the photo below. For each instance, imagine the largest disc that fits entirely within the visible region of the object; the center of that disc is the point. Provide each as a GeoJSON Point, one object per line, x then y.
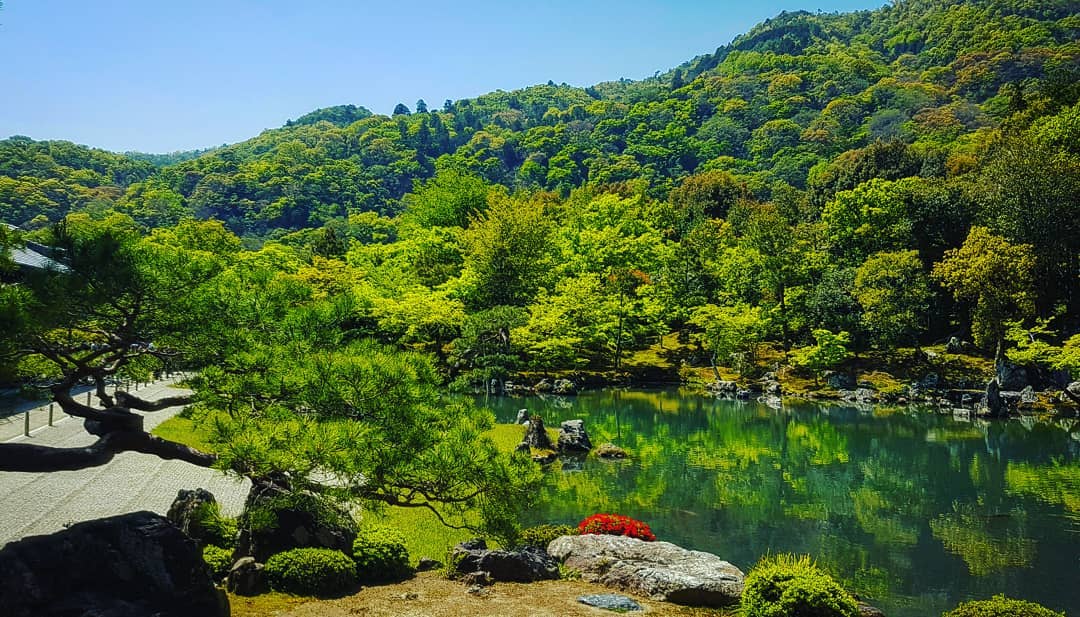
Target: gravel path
{"type": "Point", "coordinates": [40, 503]}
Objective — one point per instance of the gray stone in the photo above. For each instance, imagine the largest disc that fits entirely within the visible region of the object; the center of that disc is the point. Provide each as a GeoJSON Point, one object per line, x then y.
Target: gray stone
{"type": "Point", "coordinates": [427, 563]}
{"type": "Point", "coordinates": [659, 570]}
{"type": "Point", "coordinates": [840, 381]}
{"type": "Point", "coordinates": [723, 387]}
{"type": "Point", "coordinates": [1011, 377]}
{"type": "Point", "coordinates": [773, 388]}
{"type": "Point", "coordinates": [995, 406]}
{"type": "Point", "coordinates": [246, 578]}
{"type": "Point", "coordinates": [743, 395]}
{"type": "Point", "coordinates": [522, 448]}
{"type": "Point", "coordinates": [544, 385]}
{"type": "Point", "coordinates": [522, 417]}
{"type": "Point", "coordinates": [573, 437]}
{"type": "Point", "coordinates": [865, 610]}
{"type": "Point", "coordinates": [861, 395]}
{"type": "Point", "coordinates": [186, 513]}
{"type": "Point", "coordinates": [1027, 395]}
{"type": "Point", "coordinates": [477, 579]}
{"type": "Point", "coordinates": [564, 386]}
{"type": "Point", "coordinates": [536, 434]}
{"type": "Point", "coordinates": [131, 565]}
{"type": "Point", "coordinates": [611, 602]}
{"type": "Point", "coordinates": [957, 346]}
{"type": "Point", "coordinates": [1074, 390]}
{"type": "Point", "coordinates": [524, 565]}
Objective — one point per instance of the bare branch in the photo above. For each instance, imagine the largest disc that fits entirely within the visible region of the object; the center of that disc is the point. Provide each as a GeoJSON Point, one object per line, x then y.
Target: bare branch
{"type": "Point", "coordinates": [126, 399]}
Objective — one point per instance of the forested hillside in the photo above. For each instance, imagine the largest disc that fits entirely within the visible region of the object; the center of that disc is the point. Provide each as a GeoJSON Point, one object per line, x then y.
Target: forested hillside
{"type": "Point", "coordinates": [872, 179]}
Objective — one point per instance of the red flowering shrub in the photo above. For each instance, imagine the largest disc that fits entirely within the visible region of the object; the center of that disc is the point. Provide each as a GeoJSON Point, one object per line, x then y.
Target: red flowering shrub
{"type": "Point", "coordinates": [616, 525]}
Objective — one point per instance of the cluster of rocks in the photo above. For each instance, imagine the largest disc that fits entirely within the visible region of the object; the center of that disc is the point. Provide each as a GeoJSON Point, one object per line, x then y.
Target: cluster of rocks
{"type": "Point", "coordinates": [560, 387]}
{"type": "Point", "coordinates": [573, 441]}
{"type": "Point", "coordinates": [766, 390]}
{"type": "Point", "coordinates": [475, 564]}
{"type": "Point", "coordinates": [123, 566]}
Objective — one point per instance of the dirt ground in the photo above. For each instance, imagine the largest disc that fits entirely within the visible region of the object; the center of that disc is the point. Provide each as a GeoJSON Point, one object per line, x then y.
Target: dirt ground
{"type": "Point", "coordinates": [431, 595]}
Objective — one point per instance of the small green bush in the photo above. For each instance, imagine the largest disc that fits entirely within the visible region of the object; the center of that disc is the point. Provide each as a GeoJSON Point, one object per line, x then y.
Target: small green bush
{"type": "Point", "coordinates": [380, 554]}
{"type": "Point", "coordinates": [311, 572]}
{"type": "Point", "coordinates": [542, 535]}
{"type": "Point", "coordinates": [218, 559]}
{"type": "Point", "coordinates": [1000, 606]}
{"type": "Point", "coordinates": [217, 530]}
{"type": "Point", "coordinates": [790, 586]}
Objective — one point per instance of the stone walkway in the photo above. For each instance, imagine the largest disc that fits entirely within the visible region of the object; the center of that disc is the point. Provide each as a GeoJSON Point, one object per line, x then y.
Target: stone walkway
{"type": "Point", "coordinates": [40, 503]}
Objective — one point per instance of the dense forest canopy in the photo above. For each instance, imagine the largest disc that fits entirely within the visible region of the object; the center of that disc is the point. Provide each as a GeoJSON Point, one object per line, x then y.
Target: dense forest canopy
{"type": "Point", "coordinates": [893, 176]}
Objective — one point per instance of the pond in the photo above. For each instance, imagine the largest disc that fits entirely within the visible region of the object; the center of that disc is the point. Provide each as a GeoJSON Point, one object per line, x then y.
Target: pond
{"type": "Point", "coordinates": [914, 510]}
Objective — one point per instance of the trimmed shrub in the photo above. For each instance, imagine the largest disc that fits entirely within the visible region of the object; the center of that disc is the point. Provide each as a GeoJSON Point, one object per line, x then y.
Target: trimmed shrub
{"type": "Point", "coordinates": [616, 525]}
{"type": "Point", "coordinates": [542, 535]}
{"type": "Point", "coordinates": [790, 586]}
{"type": "Point", "coordinates": [1000, 606]}
{"type": "Point", "coordinates": [311, 572]}
{"type": "Point", "coordinates": [380, 554]}
{"type": "Point", "coordinates": [218, 559]}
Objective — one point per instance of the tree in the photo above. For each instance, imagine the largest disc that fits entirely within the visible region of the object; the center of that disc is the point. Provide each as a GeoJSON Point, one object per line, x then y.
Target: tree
{"type": "Point", "coordinates": [994, 275]}
{"type": "Point", "coordinates": [401, 110]}
{"type": "Point", "coordinates": [508, 253]}
{"type": "Point", "coordinates": [894, 293]}
{"type": "Point", "coordinates": [829, 350]}
{"type": "Point", "coordinates": [421, 107]}
{"type": "Point", "coordinates": [282, 384]}
{"type": "Point", "coordinates": [730, 333]}
{"type": "Point", "coordinates": [448, 199]}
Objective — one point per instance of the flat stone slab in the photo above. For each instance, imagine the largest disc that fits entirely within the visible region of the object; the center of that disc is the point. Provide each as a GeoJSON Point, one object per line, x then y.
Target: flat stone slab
{"type": "Point", "coordinates": [611, 602]}
{"type": "Point", "coordinates": [658, 570]}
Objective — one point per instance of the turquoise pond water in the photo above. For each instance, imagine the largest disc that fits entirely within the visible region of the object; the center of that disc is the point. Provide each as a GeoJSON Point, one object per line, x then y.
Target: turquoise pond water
{"type": "Point", "coordinates": [913, 510]}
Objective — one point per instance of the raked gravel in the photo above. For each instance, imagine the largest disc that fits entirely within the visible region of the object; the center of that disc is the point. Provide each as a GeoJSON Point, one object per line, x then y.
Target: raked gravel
{"type": "Point", "coordinates": [40, 503]}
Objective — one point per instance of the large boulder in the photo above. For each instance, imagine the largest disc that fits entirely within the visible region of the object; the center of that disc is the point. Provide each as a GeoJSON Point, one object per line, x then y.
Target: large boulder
{"type": "Point", "coordinates": [131, 565]}
{"type": "Point", "coordinates": [536, 435]}
{"type": "Point", "coordinates": [995, 405]}
{"type": "Point", "coordinates": [840, 381]}
{"type": "Point", "coordinates": [519, 566]}
{"type": "Point", "coordinates": [189, 513]}
{"type": "Point", "coordinates": [573, 437]}
{"type": "Point", "coordinates": [246, 578]}
{"type": "Point", "coordinates": [1011, 377]}
{"type": "Point", "coordinates": [277, 518]}
{"type": "Point", "coordinates": [659, 570]}
{"type": "Point", "coordinates": [564, 386]}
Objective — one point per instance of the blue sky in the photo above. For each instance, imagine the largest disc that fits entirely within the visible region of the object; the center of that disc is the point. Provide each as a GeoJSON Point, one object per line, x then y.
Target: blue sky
{"type": "Point", "coordinates": [163, 76]}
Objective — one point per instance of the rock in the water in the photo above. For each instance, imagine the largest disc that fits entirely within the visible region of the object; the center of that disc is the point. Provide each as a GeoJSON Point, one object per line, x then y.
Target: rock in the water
{"type": "Point", "coordinates": [543, 386]}
{"type": "Point", "coordinates": [291, 519]}
{"type": "Point", "coordinates": [131, 565]}
{"type": "Point", "coordinates": [840, 381]}
{"type": "Point", "coordinates": [611, 602]}
{"type": "Point", "coordinates": [519, 566]}
{"type": "Point", "coordinates": [743, 395]}
{"type": "Point", "coordinates": [1074, 390]}
{"type": "Point", "coordinates": [536, 435]}
{"type": "Point", "coordinates": [772, 387]}
{"type": "Point", "coordinates": [722, 387]}
{"type": "Point", "coordinates": [573, 437]}
{"type": "Point", "coordinates": [564, 386]}
{"type": "Point", "coordinates": [246, 578]}
{"type": "Point", "coordinates": [187, 512]}
{"type": "Point", "coordinates": [1011, 377]}
{"type": "Point", "coordinates": [659, 570]}
{"type": "Point", "coordinates": [427, 563]}
{"type": "Point", "coordinates": [1027, 395]}
{"type": "Point", "coordinates": [522, 417]}
{"type": "Point", "coordinates": [995, 406]}
{"type": "Point", "coordinates": [610, 450]}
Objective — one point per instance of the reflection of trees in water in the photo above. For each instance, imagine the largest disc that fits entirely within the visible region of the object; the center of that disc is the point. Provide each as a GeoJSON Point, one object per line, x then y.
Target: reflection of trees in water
{"type": "Point", "coordinates": [854, 490]}
{"type": "Point", "coordinates": [987, 542]}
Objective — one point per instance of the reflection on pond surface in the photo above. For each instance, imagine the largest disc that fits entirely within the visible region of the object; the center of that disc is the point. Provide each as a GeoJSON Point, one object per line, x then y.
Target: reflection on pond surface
{"type": "Point", "coordinates": [914, 510]}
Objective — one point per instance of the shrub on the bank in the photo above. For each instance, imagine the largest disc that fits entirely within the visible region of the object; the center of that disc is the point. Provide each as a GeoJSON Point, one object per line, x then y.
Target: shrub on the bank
{"type": "Point", "coordinates": [790, 586]}
{"type": "Point", "coordinates": [542, 535]}
{"type": "Point", "coordinates": [380, 554]}
{"type": "Point", "coordinates": [218, 559]}
{"type": "Point", "coordinates": [311, 572]}
{"type": "Point", "coordinates": [1000, 606]}
{"type": "Point", "coordinates": [616, 525]}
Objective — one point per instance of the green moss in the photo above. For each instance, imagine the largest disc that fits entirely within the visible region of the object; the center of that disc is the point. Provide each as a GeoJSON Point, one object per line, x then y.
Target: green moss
{"type": "Point", "coordinates": [790, 586]}
{"type": "Point", "coordinates": [1000, 606]}
{"type": "Point", "coordinates": [311, 572]}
